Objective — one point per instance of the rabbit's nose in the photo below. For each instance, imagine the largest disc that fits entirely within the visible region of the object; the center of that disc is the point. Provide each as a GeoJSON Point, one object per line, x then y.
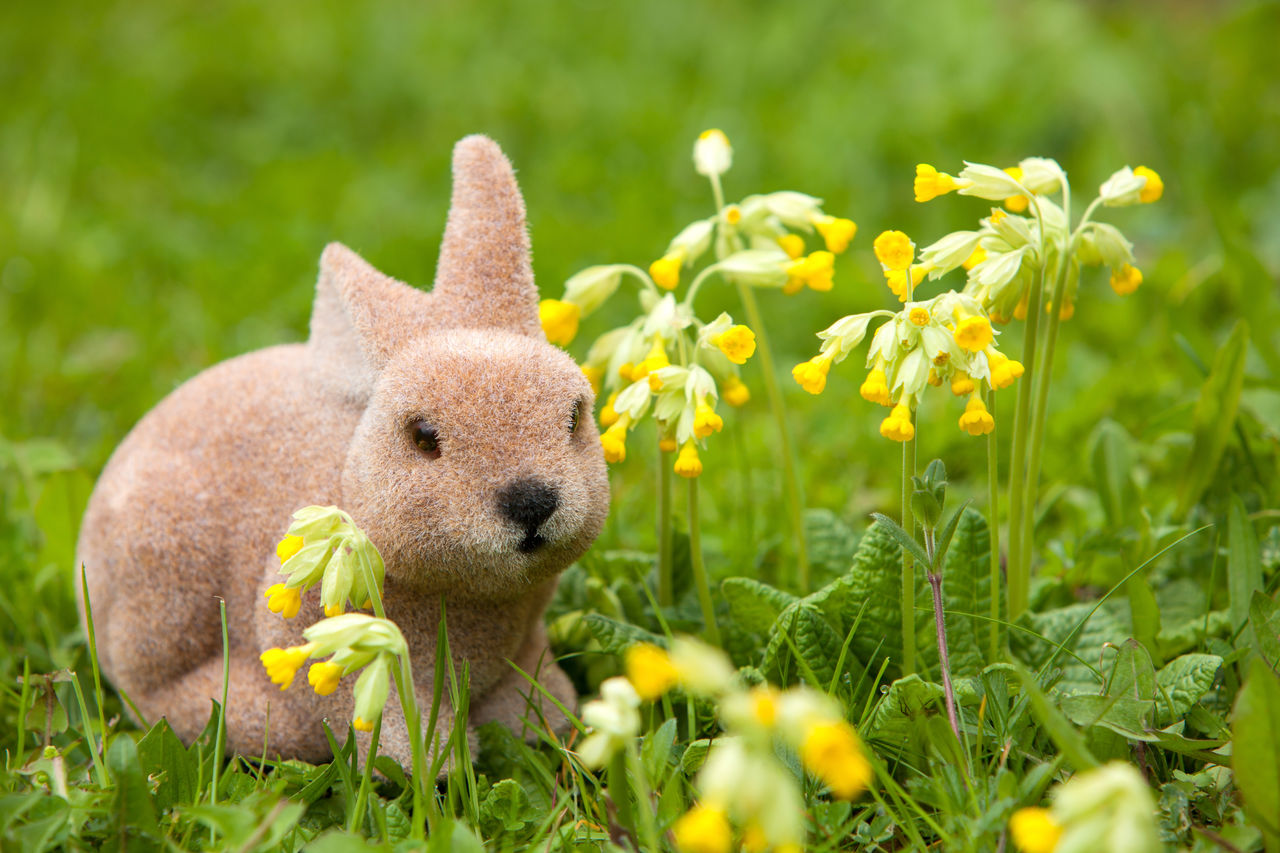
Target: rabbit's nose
{"type": "Point", "coordinates": [528, 503]}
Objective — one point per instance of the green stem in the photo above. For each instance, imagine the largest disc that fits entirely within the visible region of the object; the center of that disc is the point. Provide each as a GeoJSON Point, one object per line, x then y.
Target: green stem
{"type": "Point", "coordinates": [355, 821]}
{"type": "Point", "coordinates": [666, 593]}
{"type": "Point", "coordinates": [219, 740]}
{"type": "Point", "coordinates": [790, 482]}
{"type": "Point", "coordinates": [1019, 574]}
{"type": "Point", "coordinates": [699, 570]}
{"type": "Point", "coordinates": [993, 524]}
{"type": "Point", "coordinates": [908, 562]}
{"type": "Point", "coordinates": [643, 797]}
{"type": "Point", "coordinates": [1043, 380]}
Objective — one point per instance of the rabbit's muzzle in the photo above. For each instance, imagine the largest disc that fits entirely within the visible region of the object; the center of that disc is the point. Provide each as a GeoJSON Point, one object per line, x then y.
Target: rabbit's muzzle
{"type": "Point", "coordinates": [528, 503]}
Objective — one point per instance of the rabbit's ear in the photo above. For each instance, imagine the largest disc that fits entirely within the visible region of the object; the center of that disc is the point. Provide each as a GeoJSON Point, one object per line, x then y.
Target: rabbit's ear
{"type": "Point", "coordinates": [484, 278]}
{"type": "Point", "coordinates": [360, 318]}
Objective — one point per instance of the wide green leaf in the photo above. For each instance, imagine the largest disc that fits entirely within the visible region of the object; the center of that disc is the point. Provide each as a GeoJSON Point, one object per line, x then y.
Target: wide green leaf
{"type": "Point", "coordinates": [802, 630]}
{"type": "Point", "coordinates": [755, 606]}
{"type": "Point", "coordinates": [1214, 417]}
{"type": "Point", "coordinates": [616, 637]}
{"type": "Point", "coordinates": [1244, 562]}
{"type": "Point", "coordinates": [1255, 754]}
{"type": "Point", "coordinates": [1182, 683]}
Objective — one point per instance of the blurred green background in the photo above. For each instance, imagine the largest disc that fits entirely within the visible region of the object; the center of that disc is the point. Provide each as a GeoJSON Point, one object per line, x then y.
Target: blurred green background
{"type": "Point", "coordinates": [171, 171]}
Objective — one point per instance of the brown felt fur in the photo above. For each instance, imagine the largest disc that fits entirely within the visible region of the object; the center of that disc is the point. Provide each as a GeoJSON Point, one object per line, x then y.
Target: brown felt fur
{"type": "Point", "coordinates": [191, 504]}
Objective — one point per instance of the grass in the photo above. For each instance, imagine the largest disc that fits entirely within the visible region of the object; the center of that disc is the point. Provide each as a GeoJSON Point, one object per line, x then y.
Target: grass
{"type": "Point", "coordinates": [172, 173]}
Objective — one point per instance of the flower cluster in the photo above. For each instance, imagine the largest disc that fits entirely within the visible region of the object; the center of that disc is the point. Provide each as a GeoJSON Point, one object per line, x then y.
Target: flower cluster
{"type": "Point", "coordinates": [355, 641]}
{"type": "Point", "coordinates": [667, 361]}
{"type": "Point", "coordinates": [1017, 246]}
{"type": "Point", "coordinates": [944, 341]}
{"type": "Point", "coordinates": [324, 546]}
{"type": "Point", "coordinates": [742, 783]}
{"type": "Point", "coordinates": [1108, 808]}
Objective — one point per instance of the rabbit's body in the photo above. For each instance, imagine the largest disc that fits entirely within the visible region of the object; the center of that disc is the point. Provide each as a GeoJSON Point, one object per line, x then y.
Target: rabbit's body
{"type": "Point", "coordinates": [511, 491]}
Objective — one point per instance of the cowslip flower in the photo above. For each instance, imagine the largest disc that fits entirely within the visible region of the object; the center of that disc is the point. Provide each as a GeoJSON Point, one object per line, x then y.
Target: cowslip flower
{"type": "Point", "coordinates": [836, 232]}
{"type": "Point", "coordinates": [833, 752]}
{"type": "Point", "coordinates": [1034, 830]}
{"type": "Point", "coordinates": [688, 465]}
{"type": "Point", "coordinates": [974, 333]}
{"type": "Point", "coordinates": [325, 546]}
{"type": "Point", "coordinates": [712, 154]}
{"type": "Point", "coordinates": [735, 392]}
{"type": "Point", "coordinates": [283, 664]}
{"type": "Point", "coordinates": [703, 829]}
{"type": "Point", "coordinates": [705, 420]}
{"type": "Point", "coordinates": [811, 375]}
{"type": "Point", "coordinates": [738, 343]}
{"type": "Point", "coordinates": [894, 250]}
{"type": "Point", "coordinates": [1126, 279]}
{"type": "Point", "coordinates": [1128, 187]}
{"type": "Point", "coordinates": [930, 183]}
{"type": "Point", "coordinates": [614, 721]}
{"type": "Point", "coordinates": [898, 426]}
{"type": "Point", "coordinates": [816, 271]}
{"type": "Point", "coordinates": [650, 670]}
{"type": "Point", "coordinates": [976, 420]}
{"type": "Point", "coordinates": [875, 389]}
{"type": "Point", "coordinates": [559, 320]}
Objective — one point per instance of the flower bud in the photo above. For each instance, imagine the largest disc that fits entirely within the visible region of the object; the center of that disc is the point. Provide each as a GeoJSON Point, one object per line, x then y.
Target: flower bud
{"type": "Point", "coordinates": [712, 154]}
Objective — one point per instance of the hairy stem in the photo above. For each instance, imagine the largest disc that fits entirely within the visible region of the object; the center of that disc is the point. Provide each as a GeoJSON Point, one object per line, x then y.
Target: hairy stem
{"type": "Point", "coordinates": [944, 659]}
{"type": "Point", "coordinates": [908, 563]}
{"type": "Point", "coordinates": [666, 593]}
{"type": "Point", "coordinates": [993, 526]}
{"type": "Point", "coordinates": [699, 570]}
{"type": "Point", "coordinates": [1019, 575]}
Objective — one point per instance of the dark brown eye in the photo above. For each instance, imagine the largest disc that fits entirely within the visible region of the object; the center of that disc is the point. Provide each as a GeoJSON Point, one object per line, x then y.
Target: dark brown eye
{"type": "Point", "coordinates": [575, 416]}
{"type": "Point", "coordinates": [424, 435]}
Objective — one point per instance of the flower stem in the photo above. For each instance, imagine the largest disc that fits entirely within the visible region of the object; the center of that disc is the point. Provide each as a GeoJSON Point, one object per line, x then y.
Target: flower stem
{"type": "Point", "coordinates": [993, 525]}
{"type": "Point", "coordinates": [944, 659]}
{"type": "Point", "coordinates": [790, 482]}
{"type": "Point", "coordinates": [1043, 379]}
{"type": "Point", "coordinates": [355, 821]}
{"type": "Point", "coordinates": [699, 570]}
{"type": "Point", "coordinates": [1019, 575]}
{"type": "Point", "coordinates": [908, 563]}
{"type": "Point", "coordinates": [666, 594]}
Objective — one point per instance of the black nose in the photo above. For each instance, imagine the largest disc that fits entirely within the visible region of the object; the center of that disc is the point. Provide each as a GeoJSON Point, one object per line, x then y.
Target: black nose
{"type": "Point", "coordinates": [528, 503]}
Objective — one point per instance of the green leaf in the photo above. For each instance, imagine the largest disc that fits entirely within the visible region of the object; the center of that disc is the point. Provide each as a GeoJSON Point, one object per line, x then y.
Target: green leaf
{"type": "Point", "coordinates": [131, 807]}
{"type": "Point", "coordinates": [896, 718]}
{"type": "Point", "coordinates": [1264, 619]}
{"type": "Point", "coordinates": [1128, 701]}
{"type": "Point", "coordinates": [1069, 740]}
{"type": "Point", "coordinates": [616, 637]}
{"type": "Point", "coordinates": [1214, 417]}
{"type": "Point", "coordinates": [504, 808]}
{"type": "Point", "coordinates": [1182, 683]}
{"type": "Point", "coordinates": [47, 826]}
{"type": "Point", "coordinates": [831, 542]}
{"type": "Point", "coordinates": [905, 540]}
{"type": "Point", "coordinates": [1255, 754]}
{"type": "Point", "coordinates": [814, 640]}
{"type": "Point", "coordinates": [755, 606]}
{"type": "Point", "coordinates": [171, 768]}
{"type": "Point", "coordinates": [655, 750]}
{"type": "Point", "coordinates": [1244, 562]}
{"type": "Point", "coordinates": [1144, 612]}
{"type": "Point", "coordinates": [1111, 460]}
{"type": "Point", "coordinates": [694, 755]}
{"type": "Point", "coordinates": [966, 588]}
{"type": "Point", "coordinates": [58, 512]}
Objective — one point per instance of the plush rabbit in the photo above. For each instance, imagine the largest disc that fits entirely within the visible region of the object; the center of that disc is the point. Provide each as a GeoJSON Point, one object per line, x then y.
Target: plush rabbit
{"type": "Point", "coordinates": [443, 422]}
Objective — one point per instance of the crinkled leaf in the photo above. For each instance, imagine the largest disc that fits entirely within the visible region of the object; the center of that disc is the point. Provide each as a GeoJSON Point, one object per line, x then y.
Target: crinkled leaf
{"type": "Point", "coordinates": [966, 588]}
{"type": "Point", "coordinates": [870, 590]}
{"type": "Point", "coordinates": [504, 808]}
{"type": "Point", "coordinates": [1183, 682]}
{"type": "Point", "coordinates": [755, 606]}
{"type": "Point", "coordinates": [811, 637]}
{"type": "Point", "coordinates": [896, 717]}
{"type": "Point", "coordinates": [1264, 619]}
{"type": "Point", "coordinates": [830, 541]}
{"type": "Point", "coordinates": [616, 637]}
{"type": "Point", "coordinates": [1255, 754]}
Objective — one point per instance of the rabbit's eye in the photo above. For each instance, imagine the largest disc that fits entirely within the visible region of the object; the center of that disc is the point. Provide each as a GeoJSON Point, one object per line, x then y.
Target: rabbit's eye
{"type": "Point", "coordinates": [575, 416]}
{"type": "Point", "coordinates": [424, 435]}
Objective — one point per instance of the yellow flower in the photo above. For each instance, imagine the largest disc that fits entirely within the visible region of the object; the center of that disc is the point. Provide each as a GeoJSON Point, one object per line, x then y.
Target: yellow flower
{"type": "Point", "coordinates": [974, 333]}
{"type": "Point", "coordinates": [323, 677]}
{"type": "Point", "coordinates": [287, 547]}
{"type": "Point", "coordinates": [1068, 310]}
{"type": "Point", "coordinates": [614, 441]}
{"type": "Point", "coordinates": [898, 426]}
{"type": "Point", "coordinates": [832, 751]}
{"type": "Point", "coordinates": [608, 414]}
{"type": "Point", "coordinates": [979, 255]}
{"type": "Point", "coordinates": [815, 270]}
{"type": "Point", "coordinates": [919, 316]}
{"type": "Point", "coordinates": [362, 725]}
{"type": "Point", "coordinates": [897, 280]}
{"type": "Point", "coordinates": [331, 610]}
{"type": "Point", "coordinates": [665, 271]}
{"type": "Point", "coordinates": [655, 360]}
{"type": "Point", "coordinates": [1126, 279]}
{"type": "Point", "coordinates": [876, 388]}
{"type": "Point", "coordinates": [1004, 370]}
{"type": "Point", "coordinates": [283, 664]}
{"type": "Point", "coordinates": [284, 600]}
{"type": "Point", "coordinates": [812, 374]}
{"type": "Point", "coordinates": [1034, 830]}
{"type": "Point", "coordinates": [930, 183]}
{"type": "Point", "coordinates": [1016, 203]}
{"type": "Point", "coordinates": [705, 420]}
{"type": "Point", "coordinates": [735, 392]}
{"type": "Point", "coordinates": [754, 839]}
{"type": "Point", "coordinates": [559, 320]}
{"type": "Point", "coordinates": [836, 233]}
{"type": "Point", "coordinates": [976, 420]}
{"type": "Point", "coordinates": [650, 670]}
{"type": "Point", "coordinates": [733, 214]}
{"type": "Point", "coordinates": [594, 375]}
{"type": "Point", "coordinates": [687, 463]}
{"type": "Point", "coordinates": [894, 249]}
{"type": "Point", "coordinates": [703, 829]}
{"type": "Point", "coordinates": [764, 705]}
{"type": "Point", "coordinates": [792, 244]}
{"type": "Point", "coordinates": [1020, 310]}
{"type": "Point", "coordinates": [738, 343]}
{"type": "Point", "coordinates": [1154, 187]}
{"type": "Point", "coordinates": [667, 444]}
{"type": "Point", "coordinates": [933, 378]}
{"type": "Point", "coordinates": [961, 384]}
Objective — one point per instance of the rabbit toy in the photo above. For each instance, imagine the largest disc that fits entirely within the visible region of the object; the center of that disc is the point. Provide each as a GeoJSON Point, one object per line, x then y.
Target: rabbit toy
{"type": "Point", "coordinates": [444, 423]}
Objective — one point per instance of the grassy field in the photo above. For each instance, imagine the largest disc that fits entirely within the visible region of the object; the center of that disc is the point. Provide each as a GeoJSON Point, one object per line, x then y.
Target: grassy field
{"type": "Point", "coordinates": [171, 173]}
